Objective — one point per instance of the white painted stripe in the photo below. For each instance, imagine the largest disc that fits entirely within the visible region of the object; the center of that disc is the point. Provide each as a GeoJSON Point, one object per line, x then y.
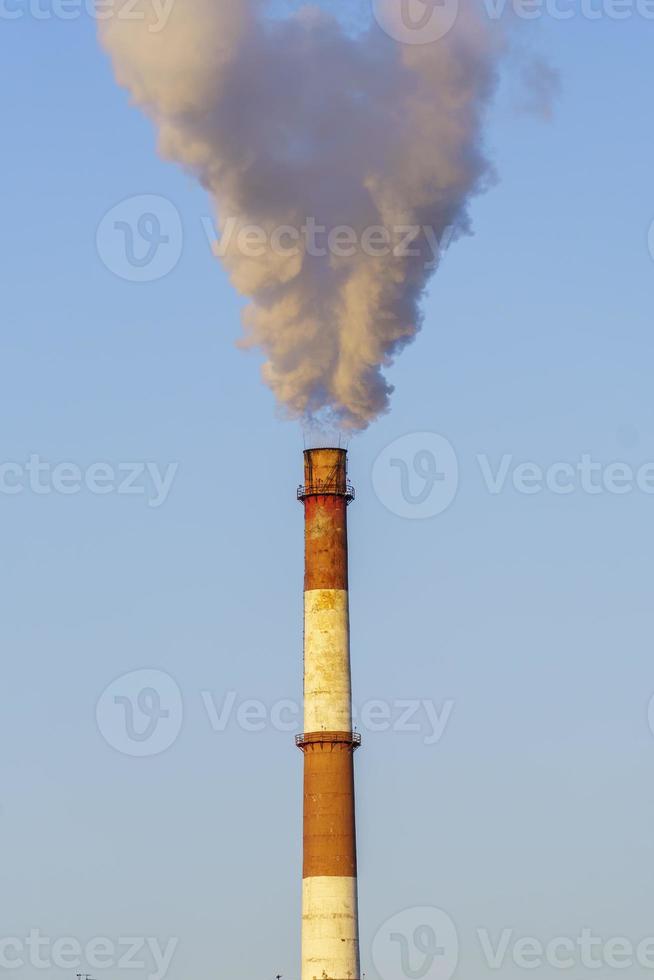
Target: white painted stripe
{"type": "Point", "coordinates": [327, 682]}
{"type": "Point", "coordinates": [330, 930]}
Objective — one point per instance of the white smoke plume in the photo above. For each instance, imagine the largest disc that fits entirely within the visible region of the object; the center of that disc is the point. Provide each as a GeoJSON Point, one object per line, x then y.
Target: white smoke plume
{"type": "Point", "coordinates": [294, 122]}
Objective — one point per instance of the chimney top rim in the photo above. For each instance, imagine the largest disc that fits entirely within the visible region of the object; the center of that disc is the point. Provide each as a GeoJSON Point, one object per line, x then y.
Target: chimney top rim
{"type": "Point", "coordinates": [326, 449]}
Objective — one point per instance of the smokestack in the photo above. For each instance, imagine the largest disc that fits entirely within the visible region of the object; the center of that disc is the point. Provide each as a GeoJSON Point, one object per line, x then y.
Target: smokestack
{"type": "Point", "coordinates": [330, 928]}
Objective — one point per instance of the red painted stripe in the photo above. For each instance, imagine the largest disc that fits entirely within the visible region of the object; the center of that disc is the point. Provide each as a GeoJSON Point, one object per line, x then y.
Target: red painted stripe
{"type": "Point", "coordinates": [326, 554]}
{"type": "Point", "coordinates": [329, 811]}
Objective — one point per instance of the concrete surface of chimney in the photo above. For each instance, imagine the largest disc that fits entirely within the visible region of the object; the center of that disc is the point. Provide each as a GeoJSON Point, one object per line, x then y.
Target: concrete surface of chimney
{"type": "Point", "coordinates": [330, 930]}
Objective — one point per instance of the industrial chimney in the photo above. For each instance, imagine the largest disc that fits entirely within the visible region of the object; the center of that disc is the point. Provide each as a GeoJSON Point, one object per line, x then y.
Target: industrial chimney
{"type": "Point", "coordinates": [330, 928]}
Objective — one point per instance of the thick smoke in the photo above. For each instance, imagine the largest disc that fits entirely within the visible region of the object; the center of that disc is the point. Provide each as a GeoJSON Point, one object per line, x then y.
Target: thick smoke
{"type": "Point", "coordinates": [296, 125]}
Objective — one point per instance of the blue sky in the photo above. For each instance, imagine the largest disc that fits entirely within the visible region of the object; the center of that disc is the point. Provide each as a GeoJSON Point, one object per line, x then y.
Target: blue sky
{"type": "Point", "coordinates": [530, 615]}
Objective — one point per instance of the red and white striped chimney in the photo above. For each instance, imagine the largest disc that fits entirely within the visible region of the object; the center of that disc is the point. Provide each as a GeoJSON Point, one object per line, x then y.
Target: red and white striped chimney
{"type": "Point", "coordinates": [330, 928]}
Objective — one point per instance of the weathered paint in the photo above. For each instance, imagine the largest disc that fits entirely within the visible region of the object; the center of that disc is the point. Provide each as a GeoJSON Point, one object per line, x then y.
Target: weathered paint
{"type": "Point", "coordinates": [327, 686]}
{"type": "Point", "coordinates": [329, 819]}
{"type": "Point", "coordinates": [325, 543]}
{"type": "Point", "coordinates": [330, 940]}
{"type": "Point", "coordinates": [326, 470]}
{"type": "Point", "coordinates": [330, 934]}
